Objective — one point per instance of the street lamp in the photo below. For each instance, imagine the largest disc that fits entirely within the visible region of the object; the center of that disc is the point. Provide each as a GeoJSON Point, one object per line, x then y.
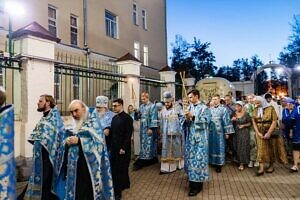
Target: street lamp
{"type": "Point", "coordinates": [13, 9]}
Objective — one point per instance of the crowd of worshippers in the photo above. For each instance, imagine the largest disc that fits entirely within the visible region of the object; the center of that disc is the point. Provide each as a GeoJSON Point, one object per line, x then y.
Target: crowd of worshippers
{"type": "Point", "coordinates": [89, 157]}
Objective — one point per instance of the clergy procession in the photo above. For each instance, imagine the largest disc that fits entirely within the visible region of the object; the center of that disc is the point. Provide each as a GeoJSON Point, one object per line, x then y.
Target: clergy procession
{"type": "Point", "coordinates": [88, 157]}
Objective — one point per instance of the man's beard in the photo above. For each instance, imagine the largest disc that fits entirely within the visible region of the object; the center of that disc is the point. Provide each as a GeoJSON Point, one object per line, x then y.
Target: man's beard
{"type": "Point", "coordinates": [42, 109]}
{"type": "Point", "coordinates": [77, 123]}
{"type": "Point", "coordinates": [169, 106]}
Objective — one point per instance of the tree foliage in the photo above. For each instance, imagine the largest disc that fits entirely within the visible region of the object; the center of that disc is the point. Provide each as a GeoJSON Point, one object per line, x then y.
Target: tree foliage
{"type": "Point", "coordinates": [241, 69]}
{"type": "Point", "coordinates": [195, 58]}
{"type": "Point", "coordinates": [290, 56]}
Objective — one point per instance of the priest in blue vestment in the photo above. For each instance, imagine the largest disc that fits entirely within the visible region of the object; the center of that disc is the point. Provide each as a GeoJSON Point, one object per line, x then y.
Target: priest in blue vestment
{"type": "Point", "coordinates": [105, 116]}
{"type": "Point", "coordinates": [220, 129]}
{"type": "Point", "coordinates": [171, 135]}
{"type": "Point", "coordinates": [148, 117]}
{"type": "Point", "coordinates": [47, 139]}
{"type": "Point", "coordinates": [197, 117]}
{"type": "Point", "coordinates": [86, 172]}
{"type": "Point", "coordinates": [7, 159]}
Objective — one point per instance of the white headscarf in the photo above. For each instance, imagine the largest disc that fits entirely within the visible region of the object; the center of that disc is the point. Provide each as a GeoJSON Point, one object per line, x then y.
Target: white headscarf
{"type": "Point", "coordinates": [264, 104]}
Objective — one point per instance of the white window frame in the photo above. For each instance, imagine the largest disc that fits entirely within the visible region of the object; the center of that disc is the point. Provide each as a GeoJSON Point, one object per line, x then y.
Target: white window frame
{"type": "Point", "coordinates": [135, 14]}
{"type": "Point", "coordinates": [53, 19]}
{"type": "Point", "coordinates": [136, 50]}
{"type": "Point", "coordinates": [111, 23]}
{"type": "Point", "coordinates": [144, 19]}
{"type": "Point", "coordinates": [74, 27]}
{"type": "Point", "coordinates": [146, 55]}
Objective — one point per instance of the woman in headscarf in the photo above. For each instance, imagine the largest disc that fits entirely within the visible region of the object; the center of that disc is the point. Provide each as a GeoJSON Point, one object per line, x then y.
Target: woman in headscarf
{"type": "Point", "coordinates": [242, 123]}
{"type": "Point", "coordinates": [268, 148]}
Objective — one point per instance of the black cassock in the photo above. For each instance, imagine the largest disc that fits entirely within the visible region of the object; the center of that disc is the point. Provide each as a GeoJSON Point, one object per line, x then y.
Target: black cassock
{"type": "Point", "coordinates": [121, 131]}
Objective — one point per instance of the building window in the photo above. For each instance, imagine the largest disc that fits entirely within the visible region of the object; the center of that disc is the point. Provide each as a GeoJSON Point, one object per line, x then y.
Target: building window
{"type": "Point", "coordinates": [52, 20]}
{"type": "Point", "coordinates": [146, 55]}
{"type": "Point", "coordinates": [135, 14]}
{"type": "Point", "coordinates": [144, 19]}
{"type": "Point", "coordinates": [137, 50]}
{"type": "Point", "coordinates": [76, 85]}
{"type": "Point", "coordinates": [74, 30]}
{"type": "Point", "coordinates": [57, 84]}
{"type": "Point", "coordinates": [111, 24]}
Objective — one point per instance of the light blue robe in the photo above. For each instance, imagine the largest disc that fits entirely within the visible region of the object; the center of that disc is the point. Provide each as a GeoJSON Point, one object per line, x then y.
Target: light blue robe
{"type": "Point", "coordinates": [196, 147]}
{"type": "Point", "coordinates": [50, 134]}
{"type": "Point", "coordinates": [148, 120]}
{"type": "Point", "coordinates": [171, 134]}
{"type": "Point", "coordinates": [7, 159]}
{"type": "Point", "coordinates": [105, 120]}
{"type": "Point", "coordinates": [97, 159]}
{"type": "Point", "coordinates": [220, 124]}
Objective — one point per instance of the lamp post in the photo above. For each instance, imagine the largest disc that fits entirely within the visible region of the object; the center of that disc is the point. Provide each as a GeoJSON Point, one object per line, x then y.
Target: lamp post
{"type": "Point", "coordinates": [12, 8]}
{"type": "Point", "coordinates": [10, 36]}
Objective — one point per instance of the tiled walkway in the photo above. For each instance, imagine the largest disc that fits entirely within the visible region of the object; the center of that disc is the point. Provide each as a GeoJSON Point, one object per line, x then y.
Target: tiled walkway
{"type": "Point", "coordinates": [230, 184]}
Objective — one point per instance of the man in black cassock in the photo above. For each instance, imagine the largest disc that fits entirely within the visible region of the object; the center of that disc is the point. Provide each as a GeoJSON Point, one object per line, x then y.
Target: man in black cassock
{"type": "Point", "coordinates": [121, 130]}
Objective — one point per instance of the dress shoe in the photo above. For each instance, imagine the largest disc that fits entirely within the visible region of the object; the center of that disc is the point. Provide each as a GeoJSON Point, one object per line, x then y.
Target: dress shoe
{"type": "Point", "coordinates": [270, 171]}
{"type": "Point", "coordinates": [193, 193]}
{"type": "Point", "coordinates": [260, 173]}
{"type": "Point", "coordinates": [218, 168]}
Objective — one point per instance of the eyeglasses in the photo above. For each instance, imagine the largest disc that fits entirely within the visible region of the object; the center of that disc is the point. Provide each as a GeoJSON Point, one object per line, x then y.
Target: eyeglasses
{"type": "Point", "coordinates": [115, 105]}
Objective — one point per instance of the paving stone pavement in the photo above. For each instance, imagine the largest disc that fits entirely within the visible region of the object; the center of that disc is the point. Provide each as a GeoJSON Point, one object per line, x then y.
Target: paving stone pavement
{"type": "Point", "coordinates": [229, 184]}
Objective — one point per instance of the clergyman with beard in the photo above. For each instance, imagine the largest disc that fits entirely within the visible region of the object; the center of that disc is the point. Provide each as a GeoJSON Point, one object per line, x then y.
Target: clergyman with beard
{"type": "Point", "coordinates": [86, 173]}
{"type": "Point", "coordinates": [48, 149]}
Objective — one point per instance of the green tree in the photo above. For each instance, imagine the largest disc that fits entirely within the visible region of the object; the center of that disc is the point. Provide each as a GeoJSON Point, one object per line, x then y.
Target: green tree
{"type": "Point", "coordinates": [181, 59]}
{"type": "Point", "coordinates": [194, 59]}
{"type": "Point", "coordinates": [203, 59]}
{"type": "Point", "coordinates": [290, 56]}
{"type": "Point", "coordinates": [228, 73]}
{"type": "Point", "coordinates": [241, 69]}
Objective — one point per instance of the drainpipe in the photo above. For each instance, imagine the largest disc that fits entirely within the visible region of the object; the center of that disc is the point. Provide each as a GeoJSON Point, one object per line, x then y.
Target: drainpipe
{"type": "Point", "coordinates": [84, 23]}
{"type": "Point", "coordinates": [86, 47]}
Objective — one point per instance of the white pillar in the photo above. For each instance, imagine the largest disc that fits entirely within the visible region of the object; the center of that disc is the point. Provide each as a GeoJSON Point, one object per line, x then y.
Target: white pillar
{"type": "Point", "coordinates": [169, 78]}
{"type": "Point", "coordinates": [131, 86]}
{"type": "Point", "coordinates": [37, 78]}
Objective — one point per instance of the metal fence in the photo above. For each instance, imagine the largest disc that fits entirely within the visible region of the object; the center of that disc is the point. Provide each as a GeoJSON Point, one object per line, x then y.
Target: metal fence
{"type": "Point", "coordinates": [10, 76]}
{"type": "Point", "coordinates": [153, 87]}
{"type": "Point", "coordinates": [78, 82]}
{"type": "Point", "coordinates": [10, 80]}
